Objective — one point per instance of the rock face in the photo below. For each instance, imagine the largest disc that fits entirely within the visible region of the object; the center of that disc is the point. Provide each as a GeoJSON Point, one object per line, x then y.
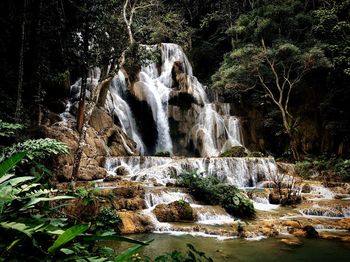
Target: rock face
{"type": "Point", "coordinates": [174, 212]}
{"type": "Point", "coordinates": [103, 138]}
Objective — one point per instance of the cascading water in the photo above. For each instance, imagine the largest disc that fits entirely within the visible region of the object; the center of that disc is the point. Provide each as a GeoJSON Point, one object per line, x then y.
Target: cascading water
{"type": "Point", "coordinates": [241, 172]}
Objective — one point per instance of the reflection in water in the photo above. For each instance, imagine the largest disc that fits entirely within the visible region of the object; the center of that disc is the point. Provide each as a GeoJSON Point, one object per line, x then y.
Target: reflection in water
{"type": "Point", "coordinates": [243, 250]}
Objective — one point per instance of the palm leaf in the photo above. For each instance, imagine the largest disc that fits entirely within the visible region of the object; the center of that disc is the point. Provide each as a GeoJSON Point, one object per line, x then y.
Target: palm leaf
{"type": "Point", "coordinates": [9, 163]}
{"type": "Point", "coordinates": [113, 237]}
{"type": "Point", "coordinates": [130, 251]}
{"type": "Point", "coordinates": [68, 236]}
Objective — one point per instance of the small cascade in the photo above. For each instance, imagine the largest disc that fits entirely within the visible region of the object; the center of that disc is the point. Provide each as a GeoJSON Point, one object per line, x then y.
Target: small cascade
{"type": "Point", "coordinates": [212, 215]}
{"type": "Point", "coordinates": [323, 192]}
{"type": "Point", "coordinates": [323, 212]}
{"type": "Point", "coordinates": [263, 204]}
{"type": "Point", "coordinates": [165, 197]}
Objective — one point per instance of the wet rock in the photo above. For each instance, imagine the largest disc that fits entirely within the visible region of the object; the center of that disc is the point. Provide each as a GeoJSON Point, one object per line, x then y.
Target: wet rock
{"type": "Point", "coordinates": [122, 171]}
{"type": "Point", "coordinates": [174, 212]}
{"type": "Point", "coordinates": [111, 178]}
{"type": "Point", "coordinates": [344, 223]}
{"type": "Point", "coordinates": [291, 200]}
{"type": "Point", "coordinates": [286, 168]}
{"type": "Point", "coordinates": [306, 188]}
{"type": "Point", "coordinates": [274, 198]}
{"type": "Point", "coordinates": [298, 232]}
{"type": "Point", "coordinates": [255, 154]}
{"type": "Point", "coordinates": [310, 232]}
{"type": "Point", "coordinates": [291, 224]}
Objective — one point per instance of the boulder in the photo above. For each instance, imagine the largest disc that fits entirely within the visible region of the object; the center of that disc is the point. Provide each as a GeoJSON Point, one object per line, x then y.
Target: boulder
{"type": "Point", "coordinates": [122, 171]}
{"type": "Point", "coordinates": [174, 212]}
{"type": "Point", "coordinates": [274, 198]}
{"type": "Point", "coordinates": [132, 223]}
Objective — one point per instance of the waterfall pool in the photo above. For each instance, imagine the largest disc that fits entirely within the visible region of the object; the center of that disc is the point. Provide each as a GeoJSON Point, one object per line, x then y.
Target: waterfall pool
{"type": "Point", "coordinates": [270, 249]}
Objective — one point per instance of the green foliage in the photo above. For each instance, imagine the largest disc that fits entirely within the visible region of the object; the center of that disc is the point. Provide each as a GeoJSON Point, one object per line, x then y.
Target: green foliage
{"type": "Point", "coordinates": [169, 28]}
{"type": "Point", "coordinates": [211, 191]}
{"type": "Point", "coordinates": [340, 168]}
{"type": "Point", "coordinates": [25, 224]}
{"type": "Point", "coordinates": [9, 129]}
{"type": "Point", "coordinates": [137, 55]}
{"type": "Point", "coordinates": [163, 154]}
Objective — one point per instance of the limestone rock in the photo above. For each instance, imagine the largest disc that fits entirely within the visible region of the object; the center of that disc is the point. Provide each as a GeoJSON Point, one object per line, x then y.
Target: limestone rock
{"type": "Point", "coordinates": [174, 212]}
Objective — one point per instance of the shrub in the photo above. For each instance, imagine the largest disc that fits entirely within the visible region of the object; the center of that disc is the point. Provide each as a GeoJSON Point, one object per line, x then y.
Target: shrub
{"type": "Point", "coordinates": [339, 167]}
{"type": "Point", "coordinates": [235, 151]}
{"type": "Point", "coordinates": [163, 153]}
{"type": "Point", "coordinates": [109, 217]}
{"type": "Point", "coordinates": [211, 191]}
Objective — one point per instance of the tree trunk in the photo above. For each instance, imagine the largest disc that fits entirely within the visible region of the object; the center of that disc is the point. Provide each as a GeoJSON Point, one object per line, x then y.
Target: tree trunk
{"type": "Point", "coordinates": [18, 111]}
{"type": "Point", "coordinates": [81, 107]}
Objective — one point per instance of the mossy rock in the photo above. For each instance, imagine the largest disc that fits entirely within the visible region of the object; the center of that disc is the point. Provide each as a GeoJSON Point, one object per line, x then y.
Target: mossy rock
{"type": "Point", "coordinates": [235, 151]}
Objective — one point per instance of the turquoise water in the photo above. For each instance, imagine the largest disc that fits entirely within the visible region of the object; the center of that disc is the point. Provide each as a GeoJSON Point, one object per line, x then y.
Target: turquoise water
{"type": "Point", "coordinates": [244, 250]}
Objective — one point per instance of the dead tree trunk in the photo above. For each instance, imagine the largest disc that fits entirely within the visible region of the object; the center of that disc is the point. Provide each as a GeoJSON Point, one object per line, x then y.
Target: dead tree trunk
{"type": "Point", "coordinates": [18, 111]}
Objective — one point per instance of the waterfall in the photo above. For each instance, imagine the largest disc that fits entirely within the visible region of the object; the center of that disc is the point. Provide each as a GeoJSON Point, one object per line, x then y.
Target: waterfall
{"type": "Point", "coordinates": [118, 107]}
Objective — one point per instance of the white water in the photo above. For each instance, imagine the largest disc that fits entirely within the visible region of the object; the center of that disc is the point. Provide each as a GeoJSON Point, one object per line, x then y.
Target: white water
{"type": "Point", "coordinates": [241, 172]}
